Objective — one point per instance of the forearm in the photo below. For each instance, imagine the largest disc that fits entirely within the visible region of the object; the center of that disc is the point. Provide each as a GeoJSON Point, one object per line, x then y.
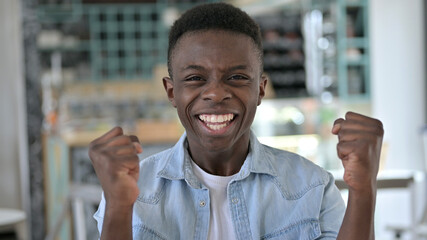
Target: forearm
{"type": "Point", "coordinates": [117, 223]}
{"type": "Point", "coordinates": [358, 221]}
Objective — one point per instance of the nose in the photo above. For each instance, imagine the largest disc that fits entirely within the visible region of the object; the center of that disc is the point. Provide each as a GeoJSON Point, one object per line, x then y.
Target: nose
{"type": "Point", "coordinates": [216, 91]}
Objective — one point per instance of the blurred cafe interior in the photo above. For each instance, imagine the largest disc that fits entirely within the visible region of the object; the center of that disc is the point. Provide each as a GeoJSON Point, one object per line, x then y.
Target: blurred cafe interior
{"type": "Point", "coordinates": [70, 70]}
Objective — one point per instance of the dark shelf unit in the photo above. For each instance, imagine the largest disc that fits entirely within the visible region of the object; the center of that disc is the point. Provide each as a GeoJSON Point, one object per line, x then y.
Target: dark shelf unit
{"type": "Point", "coordinates": [283, 47]}
{"type": "Point", "coordinates": [105, 40]}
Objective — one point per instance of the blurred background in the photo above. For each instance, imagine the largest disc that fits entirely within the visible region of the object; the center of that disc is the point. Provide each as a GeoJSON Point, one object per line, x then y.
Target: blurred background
{"type": "Point", "coordinates": [72, 69]}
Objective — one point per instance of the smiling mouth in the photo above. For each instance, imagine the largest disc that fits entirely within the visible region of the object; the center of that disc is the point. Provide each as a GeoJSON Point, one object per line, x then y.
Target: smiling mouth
{"type": "Point", "coordinates": [216, 121]}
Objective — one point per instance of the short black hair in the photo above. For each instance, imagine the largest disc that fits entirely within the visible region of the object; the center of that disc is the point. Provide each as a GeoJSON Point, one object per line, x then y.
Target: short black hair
{"type": "Point", "coordinates": [214, 16]}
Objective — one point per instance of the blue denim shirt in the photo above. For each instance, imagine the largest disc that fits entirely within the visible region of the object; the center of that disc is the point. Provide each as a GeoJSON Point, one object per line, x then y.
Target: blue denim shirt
{"type": "Point", "coordinates": [275, 195]}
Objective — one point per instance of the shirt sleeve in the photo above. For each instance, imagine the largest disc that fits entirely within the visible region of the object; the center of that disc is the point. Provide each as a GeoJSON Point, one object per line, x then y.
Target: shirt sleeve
{"type": "Point", "coordinates": [332, 211]}
{"type": "Point", "coordinates": [99, 214]}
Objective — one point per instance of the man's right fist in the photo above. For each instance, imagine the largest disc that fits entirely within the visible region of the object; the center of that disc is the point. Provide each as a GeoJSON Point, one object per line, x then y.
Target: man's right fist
{"type": "Point", "coordinates": [114, 157]}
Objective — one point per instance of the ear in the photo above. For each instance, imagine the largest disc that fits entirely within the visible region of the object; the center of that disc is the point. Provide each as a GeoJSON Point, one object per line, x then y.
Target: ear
{"type": "Point", "coordinates": [262, 85]}
{"type": "Point", "coordinates": [168, 85]}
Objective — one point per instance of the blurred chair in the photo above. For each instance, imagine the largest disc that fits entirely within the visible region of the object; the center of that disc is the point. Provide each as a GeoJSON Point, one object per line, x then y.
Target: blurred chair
{"type": "Point", "coordinates": [418, 230]}
{"type": "Point", "coordinates": [13, 219]}
{"type": "Point", "coordinates": [78, 195]}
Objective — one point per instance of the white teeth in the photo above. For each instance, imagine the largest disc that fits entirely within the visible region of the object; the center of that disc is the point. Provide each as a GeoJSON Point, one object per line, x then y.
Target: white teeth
{"type": "Point", "coordinates": [216, 122]}
{"type": "Point", "coordinates": [217, 126]}
{"type": "Point", "coordinates": [212, 118]}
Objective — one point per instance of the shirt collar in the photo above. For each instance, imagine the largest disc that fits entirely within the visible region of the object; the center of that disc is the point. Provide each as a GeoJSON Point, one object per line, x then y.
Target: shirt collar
{"type": "Point", "coordinates": [259, 159]}
{"type": "Point", "coordinates": [178, 162]}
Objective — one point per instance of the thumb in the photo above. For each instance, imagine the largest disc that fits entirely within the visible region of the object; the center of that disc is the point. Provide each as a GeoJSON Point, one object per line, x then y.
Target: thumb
{"type": "Point", "coordinates": [135, 142]}
{"type": "Point", "coordinates": [337, 126]}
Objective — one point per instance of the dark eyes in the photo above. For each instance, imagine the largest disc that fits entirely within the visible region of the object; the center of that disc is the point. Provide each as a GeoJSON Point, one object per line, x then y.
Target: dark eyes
{"type": "Point", "coordinates": [193, 78]}
{"type": "Point", "coordinates": [238, 77]}
{"type": "Point", "coordinates": [234, 77]}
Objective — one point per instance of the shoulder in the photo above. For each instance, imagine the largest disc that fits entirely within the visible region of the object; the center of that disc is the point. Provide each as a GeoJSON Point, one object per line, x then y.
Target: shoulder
{"type": "Point", "coordinates": [296, 175]}
{"type": "Point", "coordinates": [155, 162]}
{"type": "Point", "coordinates": [150, 185]}
{"type": "Point", "coordinates": [286, 160]}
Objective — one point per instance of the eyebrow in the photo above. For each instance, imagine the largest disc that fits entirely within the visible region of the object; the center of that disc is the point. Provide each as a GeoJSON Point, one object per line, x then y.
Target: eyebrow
{"type": "Point", "coordinates": [233, 68]}
{"type": "Point", "coordinates": [238, 67]}
{"type": "Point", "coordinates": [196, 67]}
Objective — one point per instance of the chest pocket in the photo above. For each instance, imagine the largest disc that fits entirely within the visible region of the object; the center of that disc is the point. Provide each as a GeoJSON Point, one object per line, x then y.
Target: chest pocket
{"type": "Point", "coordinates": [142, 232]}
{"type": "Point", "coordinates": [308, 229]}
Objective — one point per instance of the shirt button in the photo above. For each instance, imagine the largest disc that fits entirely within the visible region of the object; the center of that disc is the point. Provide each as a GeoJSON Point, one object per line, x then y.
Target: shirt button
{"type": "Point", "coordinates": [235, 200]}
{"type": "Point", "coordinates": [202, 203]}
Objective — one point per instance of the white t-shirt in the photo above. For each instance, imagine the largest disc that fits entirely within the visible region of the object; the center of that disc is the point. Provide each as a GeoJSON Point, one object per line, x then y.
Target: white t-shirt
{"type": "Point", "coordinates": [220, 224]}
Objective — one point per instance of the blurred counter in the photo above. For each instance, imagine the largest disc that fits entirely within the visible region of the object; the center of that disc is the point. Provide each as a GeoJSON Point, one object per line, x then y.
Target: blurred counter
{"type": "Point", "coordinates": [148, 132]}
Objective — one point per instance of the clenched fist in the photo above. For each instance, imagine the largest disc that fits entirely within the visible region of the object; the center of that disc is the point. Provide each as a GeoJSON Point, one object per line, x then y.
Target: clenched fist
{"type": "Point", "coordinates": [114, 157]}
{"type": "Point", "coordinates": [359, 147]}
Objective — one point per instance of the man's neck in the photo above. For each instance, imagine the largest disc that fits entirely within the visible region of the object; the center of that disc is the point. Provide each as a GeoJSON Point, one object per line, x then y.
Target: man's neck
{"type": "Point", "coordinates": [226, 162]}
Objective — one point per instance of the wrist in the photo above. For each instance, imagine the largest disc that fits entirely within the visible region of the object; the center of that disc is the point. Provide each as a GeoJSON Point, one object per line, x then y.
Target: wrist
{"type": "Point", "coordinates": [365, 189]}
{"type": "Point", "coordinates": [117, 222]}
{"type": "Point", "coordinates": [118, 208]}
{"type": "Point", "coordinates": [365, 199]}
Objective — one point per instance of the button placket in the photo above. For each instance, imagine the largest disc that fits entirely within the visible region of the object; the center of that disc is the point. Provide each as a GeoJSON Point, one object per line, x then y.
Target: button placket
{"type": "Point", "coordinates": [238, 210]}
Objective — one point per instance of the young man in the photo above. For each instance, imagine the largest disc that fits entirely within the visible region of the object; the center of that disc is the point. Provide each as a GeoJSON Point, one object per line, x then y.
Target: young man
{"type": "Point", "coordinates": [219, 182]}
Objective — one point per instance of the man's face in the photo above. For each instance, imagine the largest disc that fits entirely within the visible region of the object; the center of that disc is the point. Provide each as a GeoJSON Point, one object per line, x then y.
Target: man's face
{"type": "Point", "coordinates": [216, 87]}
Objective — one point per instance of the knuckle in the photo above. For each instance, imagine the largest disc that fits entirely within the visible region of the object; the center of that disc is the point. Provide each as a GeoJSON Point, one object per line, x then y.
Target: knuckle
{"type": "Point", "coordinates": [125, 139]}
{"type": "Point", "coordinates": [93, 145]}
{"type": "Point", "coordinates": [339, 120]}
{"type": "Point", "coordinates": [351, 115]}
{"type": "Point", "coordinates": [378, 122]}
{"type": "Point", "coordinates": [117, 129]}
{"type": "Point", "coordinates": [378, 125]}
{"type": "Point", "coordinates": [380, 130]}
{"type": "Point", "coordinates": [348, 114]}
{"type": "Point", "coordinates": [134, 138]}
{"type": "Point", "coordinates": [94, 155]}
{"type": "Point", "coordinates": [339, 148]}
{"type": "Point", "coordinates": [129, 140]}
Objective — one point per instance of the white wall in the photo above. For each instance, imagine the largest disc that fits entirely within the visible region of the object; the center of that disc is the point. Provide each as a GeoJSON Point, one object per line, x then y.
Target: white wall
{"type": "Point", "coordinates": [13, 157]}
{"type": "Point", "coordinates": [398, 81]}
{"type": "Point", "coordinates": [398, 99]}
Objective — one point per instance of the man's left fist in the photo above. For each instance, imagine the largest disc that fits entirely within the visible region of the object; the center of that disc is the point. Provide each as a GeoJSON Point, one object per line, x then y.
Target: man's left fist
{"type": "Point", "coordinates": [359, 147]}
